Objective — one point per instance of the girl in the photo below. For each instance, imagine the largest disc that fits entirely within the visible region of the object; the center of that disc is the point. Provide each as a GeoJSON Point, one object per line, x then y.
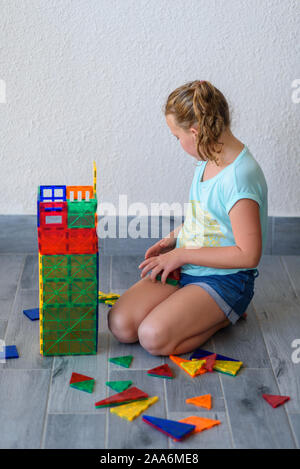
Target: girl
{"type": "Point", "coordinates": [218, 247]}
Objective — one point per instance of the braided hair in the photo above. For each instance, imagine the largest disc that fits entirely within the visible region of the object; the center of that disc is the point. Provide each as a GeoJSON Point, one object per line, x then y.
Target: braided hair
{"type": "Point", "coordinates": [201, 105]}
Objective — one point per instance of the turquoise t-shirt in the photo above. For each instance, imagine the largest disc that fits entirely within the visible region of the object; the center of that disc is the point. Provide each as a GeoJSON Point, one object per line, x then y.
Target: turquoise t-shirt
{"type": "Point", "coordinates": [207, 222]}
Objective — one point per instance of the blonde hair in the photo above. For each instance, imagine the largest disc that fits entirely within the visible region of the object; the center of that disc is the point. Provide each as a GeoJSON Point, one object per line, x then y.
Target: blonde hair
{"type": "Point", "coordinates": [203, 106]}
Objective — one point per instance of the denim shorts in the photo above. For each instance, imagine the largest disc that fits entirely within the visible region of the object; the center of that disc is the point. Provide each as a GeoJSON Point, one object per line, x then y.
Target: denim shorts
{"type": "Point", "coordinates": [232, 292]}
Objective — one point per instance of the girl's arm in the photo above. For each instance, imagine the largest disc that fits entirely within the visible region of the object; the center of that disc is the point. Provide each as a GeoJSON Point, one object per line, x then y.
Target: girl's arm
{"type": "Point", "coordinates": [170, 239]}
{"type": "Point", "coordinates": [164, 244]}
{"type": "Point", "coordinates": [174, 233]}
{"type": "Point", "coordinates": [246, 253]}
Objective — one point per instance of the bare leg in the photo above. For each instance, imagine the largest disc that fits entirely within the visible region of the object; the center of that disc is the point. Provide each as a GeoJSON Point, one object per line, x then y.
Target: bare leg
{"type": "Point", "coordinates": [133, 306]}
{"type": "Point", "coordinates": [182, 322]}
{"type": "Point", "coordinates": [191, 344]}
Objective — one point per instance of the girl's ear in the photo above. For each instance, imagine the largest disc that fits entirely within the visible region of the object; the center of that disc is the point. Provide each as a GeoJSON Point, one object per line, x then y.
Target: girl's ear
{"type": "Point", "coordinates": [194, 132]}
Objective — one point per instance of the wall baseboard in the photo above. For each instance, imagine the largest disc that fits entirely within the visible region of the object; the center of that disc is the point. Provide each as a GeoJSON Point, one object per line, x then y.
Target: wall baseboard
{"type": "Point", "coordinates": [18, 234]}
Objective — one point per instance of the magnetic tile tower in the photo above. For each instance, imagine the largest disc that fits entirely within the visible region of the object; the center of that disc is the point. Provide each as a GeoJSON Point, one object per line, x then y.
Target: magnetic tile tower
{"type": "Point", "coordinates": [68, 269]}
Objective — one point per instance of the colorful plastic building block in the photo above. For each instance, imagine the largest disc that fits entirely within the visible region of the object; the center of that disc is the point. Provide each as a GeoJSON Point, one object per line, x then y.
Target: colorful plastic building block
{"type": "Point", "coordinates": [169, 280]}
{"type": "Point", "coordinates": [9, 351]}
{"type": "Point", "coordinates": [129, 395]}
{"type": "Point", "coordinates": [53, 215]}
{"type": "Point", "coordinates": [124, 361]}
{"type": "Point", "coordinates": [275, 400]}
{"type": "Point", "coordinates": [94, 177]}
{"type": "Point", "coordinates": [198, 368]}
{"type": "Point", "coordinates": [210, 361]}
{"type": "Point", "coordinates": [177, 360]}
{"type": "Point", "coordinates": [82, 382]}
{"type": "Point", "coordinates": [227, 367]}
{"type": "Point", "coordinates": [103, 297]}
{"type": "Point", "coordinates": [52, 193]}
{"type": "Point", "coordinates": [110, 302]}
{"type": "Point", "coordinates": [200, 401]}
{"type": "Point", "coordinates": [200, 353]}
{"type": "Point", "coordinates": [119, 386]}
{"type": "Point", "coordinates": [81, 214]}
{"type": "Point", "coordinates": [162, 371]}
{"type": "Point", "coordinates": [134, 409]}
{"type": "Point", "coordinates": [33, 314]}
{"type": "Point", "coordinates": [194, 367]}
{"type": "Point", "coordinates": [80, 193]}
{"type": "Point", "coordinates": [172, 428]}
{"type": "Point", "coordinates": [200, 423]}
{"type": "Point", "coordinates": [68, 269]}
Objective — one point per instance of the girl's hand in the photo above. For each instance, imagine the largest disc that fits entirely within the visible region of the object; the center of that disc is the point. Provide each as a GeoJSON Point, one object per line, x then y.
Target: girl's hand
{"type": "Point", "coordinates": [163, 263]}
{"type": "Point", "coordinates": [162, 246]}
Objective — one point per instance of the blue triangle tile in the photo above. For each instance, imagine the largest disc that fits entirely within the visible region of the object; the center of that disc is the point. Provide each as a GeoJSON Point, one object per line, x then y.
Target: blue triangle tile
{"type": "Point", "coordinates": [199, 353]}
{"type": "Point", "coordinates": [172, 428]}
{"type": "Point", "coordinates": [33, 314]}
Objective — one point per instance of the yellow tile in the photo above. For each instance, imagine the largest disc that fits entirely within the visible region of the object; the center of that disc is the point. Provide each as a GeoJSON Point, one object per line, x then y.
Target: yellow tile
{"type": "Point", "coordinates": [229, 367]}
{"type": "Point", "coordinates": [193, 367]}
{"type": "Point", "coordinates": [134, 409]}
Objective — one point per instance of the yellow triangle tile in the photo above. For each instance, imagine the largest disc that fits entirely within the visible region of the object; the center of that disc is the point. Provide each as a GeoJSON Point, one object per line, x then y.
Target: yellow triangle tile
{"type": "Point", "coordinates": [193, 367]}
{"type": "Point", "coordinates": [134, 409]}
{"type": "Point", "coordinates": [229, 367]}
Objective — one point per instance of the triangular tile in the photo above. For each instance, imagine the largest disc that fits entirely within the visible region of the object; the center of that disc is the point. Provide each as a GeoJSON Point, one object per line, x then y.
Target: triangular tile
{"type": "Point", "coordinates": [87, 386]}
{"type": "Point", "coordinates": [194, 367]}
{"type": "Point", "coordinates": [134, 409]}
{"type": "Point", "coordinates": [179, 361]}
{"type": "Point", "coordinates": [162, 371]}
{"type": "Point", "coordinates": [227, 367]}
{"type": "Point", "coordinates": [172, 428]}
{"type": "Point", "coordinates": [131, 394]}
{"type": "Point", "coordinates": [200, 401]}
{"type": "Point", "coordinates": [200, 423]}
{"type": "Point", "coordinates": [33, 314]}
{"type": "Point", "coordinates": [200, 353]}
{"type": "Point", "coordinates": [119, 386]}
{"type": "Point", "coordinates": [210, 361]}
{"type": "Point", "coordinates": [124, 361]}
{"type": "Point", "coordinates": [108, 296]}
{"type": "Point", "coordinates": [275, 400]}
{"type": "Point", "coordinates": [77, 378]}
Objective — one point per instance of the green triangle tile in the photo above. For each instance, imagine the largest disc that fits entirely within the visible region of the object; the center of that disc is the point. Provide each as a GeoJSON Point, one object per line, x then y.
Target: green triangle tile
{"type": "Point", "coordinates": [119, 386]}
{"type": "Point", "coordinates": [113, 405]}
{"type": "Point", "coordinates": [122, 361]}
{"type": "Point", "coordinates": [87, 386]}
{"type": "Point", "coordinates": [159, 376]}
{"type": "Point", "coordinates": [229, 374]}
{"type": "Point", "coordinates": [120, 403]}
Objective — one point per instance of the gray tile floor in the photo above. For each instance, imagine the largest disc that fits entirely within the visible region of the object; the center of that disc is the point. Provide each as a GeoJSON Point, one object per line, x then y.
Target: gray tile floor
{"type": "Point", "coordinates": [39, 410]}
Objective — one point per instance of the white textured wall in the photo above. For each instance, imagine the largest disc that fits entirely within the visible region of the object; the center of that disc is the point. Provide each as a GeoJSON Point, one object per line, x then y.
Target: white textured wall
{"type": "Point", "coordinates": [86, 79]}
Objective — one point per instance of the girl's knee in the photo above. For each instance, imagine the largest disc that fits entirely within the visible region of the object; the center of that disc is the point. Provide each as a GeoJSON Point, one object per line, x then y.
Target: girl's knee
{"type": "Point", "coordinates": [153, 338]}
{"type": "Point", "coordinates": [121, 326]}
